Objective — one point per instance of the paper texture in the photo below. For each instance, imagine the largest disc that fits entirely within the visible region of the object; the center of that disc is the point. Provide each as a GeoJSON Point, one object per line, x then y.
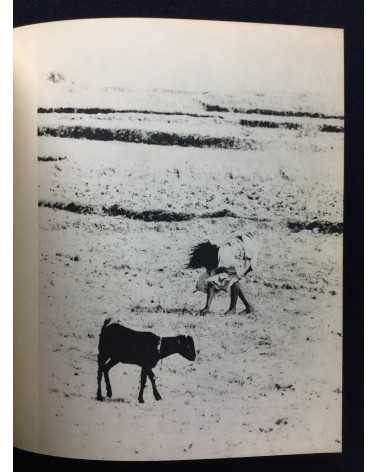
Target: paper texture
{"type": "Point", "coordinates": [26, 260]}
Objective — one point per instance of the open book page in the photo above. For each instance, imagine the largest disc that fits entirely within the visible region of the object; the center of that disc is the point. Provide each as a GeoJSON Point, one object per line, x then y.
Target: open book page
{"type": "Point", "coordinates": [26, 237]}
{"type": "Point", "coordinates": [189, 178]}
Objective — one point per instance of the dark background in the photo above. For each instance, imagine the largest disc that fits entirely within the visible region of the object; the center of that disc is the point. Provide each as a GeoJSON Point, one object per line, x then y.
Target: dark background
{"type": "Point", "coordinates": [328, 13]}
{"type": "Point", "coordinates": [333, 13]}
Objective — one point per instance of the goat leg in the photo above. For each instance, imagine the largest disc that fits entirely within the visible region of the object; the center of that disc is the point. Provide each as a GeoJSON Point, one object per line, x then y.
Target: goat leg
{"type": "Point", "coordinates": [107, 367]}
{"type": "Point", "coordinates": [143, 378]}
{"type": "Point", "coordinates": [151, 376]}
{"type": "Point", "coordinates": [99, 378]}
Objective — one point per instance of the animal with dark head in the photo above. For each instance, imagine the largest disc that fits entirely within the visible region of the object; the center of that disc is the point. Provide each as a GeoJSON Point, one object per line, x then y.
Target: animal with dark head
{"type": "Point", "coordinates": [120, 344]}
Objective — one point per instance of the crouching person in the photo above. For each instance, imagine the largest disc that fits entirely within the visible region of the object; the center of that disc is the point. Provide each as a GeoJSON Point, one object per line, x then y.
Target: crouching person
{"type": "Point", "coordinates": [225, 267]}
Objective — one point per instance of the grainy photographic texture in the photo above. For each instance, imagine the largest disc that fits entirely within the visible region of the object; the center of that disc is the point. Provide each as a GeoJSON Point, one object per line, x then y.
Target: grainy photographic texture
{"type": "Point", "coordinates": [155, 137]}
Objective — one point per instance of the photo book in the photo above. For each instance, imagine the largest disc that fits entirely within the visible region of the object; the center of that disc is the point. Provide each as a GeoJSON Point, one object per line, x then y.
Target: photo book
{"type": "Point", "coordinates": [178, 235]}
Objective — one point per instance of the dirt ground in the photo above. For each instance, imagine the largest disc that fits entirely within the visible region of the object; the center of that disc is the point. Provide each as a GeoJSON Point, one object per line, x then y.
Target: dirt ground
{"type": "Point", "coordinates": [268, 383]}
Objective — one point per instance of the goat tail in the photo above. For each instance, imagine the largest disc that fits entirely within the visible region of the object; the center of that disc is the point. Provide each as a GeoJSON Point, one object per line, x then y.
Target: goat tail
{"type": "Point", "coordinates": [105, 324]}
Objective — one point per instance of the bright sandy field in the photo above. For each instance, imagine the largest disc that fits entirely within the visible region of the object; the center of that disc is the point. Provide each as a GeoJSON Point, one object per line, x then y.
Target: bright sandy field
{"type": "Point", "coordinates": [264, 384]}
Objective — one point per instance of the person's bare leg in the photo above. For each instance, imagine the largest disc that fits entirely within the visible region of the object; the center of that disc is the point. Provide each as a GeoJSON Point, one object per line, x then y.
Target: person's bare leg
{"type": "Point", "coordinates": [209, 299]}
{"type": "Point", "coordinates": [248, 307]}
{"type": "Point", "coordinates": [234, 293]}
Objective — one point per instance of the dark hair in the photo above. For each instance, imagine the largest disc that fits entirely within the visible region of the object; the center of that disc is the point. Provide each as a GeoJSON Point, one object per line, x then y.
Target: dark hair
{"type": "Point", "coordinates": [203, 255]}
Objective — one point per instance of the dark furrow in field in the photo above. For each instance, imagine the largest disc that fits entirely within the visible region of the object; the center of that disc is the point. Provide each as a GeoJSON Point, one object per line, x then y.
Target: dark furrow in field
{"type": "Point", "coordinates": [262, 111]}
{"type": "Point", "coordinates": [325, 227]}
{"type": "Point", "coordinates": [147, 137]}
{"type": "Point", "coordinates": [288, 125]}
{"type": "Point", "coordinates": [145, 215]}
{"type": "Point", "coordinates": [207, 107]}
{"type": "Point", "coordinates": [51, 159]}
{"type": "Point", "coordinates": [106, 111]}
{"type": "Point", "coordinates": [331, 129]}
{"type": "Point", "coordinates": [269, 124]}
{"type": "Point", "coordinates": [163, 215]}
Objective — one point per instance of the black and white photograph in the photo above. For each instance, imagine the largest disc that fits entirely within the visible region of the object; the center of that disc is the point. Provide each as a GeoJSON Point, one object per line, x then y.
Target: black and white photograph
{"type": "Point", "coordinates": [190, 232]}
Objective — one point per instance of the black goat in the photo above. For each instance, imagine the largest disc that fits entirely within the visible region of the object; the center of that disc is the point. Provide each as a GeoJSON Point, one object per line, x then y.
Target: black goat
{"type": "Point", "coordinates": [120, 344]}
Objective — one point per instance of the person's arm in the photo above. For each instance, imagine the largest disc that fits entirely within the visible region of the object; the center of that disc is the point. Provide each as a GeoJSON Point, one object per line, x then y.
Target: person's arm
{"type": "Point", "coordinates": [228, 270]}
{"type": "Point", "coordinates": [209, 299]}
